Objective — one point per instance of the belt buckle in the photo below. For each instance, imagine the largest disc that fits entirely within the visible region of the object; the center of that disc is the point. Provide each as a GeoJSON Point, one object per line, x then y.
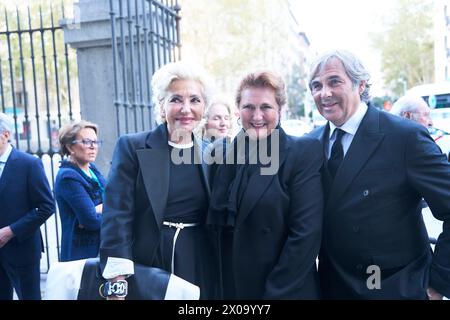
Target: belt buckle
{"type": "Point", "coordinates": [178, 225]}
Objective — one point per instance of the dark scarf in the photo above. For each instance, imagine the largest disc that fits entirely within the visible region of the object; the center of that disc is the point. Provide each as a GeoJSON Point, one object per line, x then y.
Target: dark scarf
{"type": "Point", "coordinates": [231, 180]}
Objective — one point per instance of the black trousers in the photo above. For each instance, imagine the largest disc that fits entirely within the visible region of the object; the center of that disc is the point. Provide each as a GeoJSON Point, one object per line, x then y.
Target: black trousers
{"type": "Point", "coordinates": [25, 280]}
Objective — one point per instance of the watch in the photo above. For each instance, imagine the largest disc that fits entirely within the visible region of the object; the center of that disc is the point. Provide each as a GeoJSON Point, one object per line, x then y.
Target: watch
{"type": "Point", "coordinates": [117, 288]}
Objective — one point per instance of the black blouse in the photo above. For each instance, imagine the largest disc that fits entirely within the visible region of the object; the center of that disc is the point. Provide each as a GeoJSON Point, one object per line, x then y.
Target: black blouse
{"type": "Point", "coordinates": [187, 201]}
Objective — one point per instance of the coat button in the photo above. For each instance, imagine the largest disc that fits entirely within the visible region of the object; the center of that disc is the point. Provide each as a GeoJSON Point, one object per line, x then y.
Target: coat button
{"type": "Point", "coordinates": [366, 193]}
{"type": "Point", "coordinates": [359, 267]}
{"type": "Point", "coordinates": [266, 230]}
{"type": "Point", "coordinates": [355, 229]}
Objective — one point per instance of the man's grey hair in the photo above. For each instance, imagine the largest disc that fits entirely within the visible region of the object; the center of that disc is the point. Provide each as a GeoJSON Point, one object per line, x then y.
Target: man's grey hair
{"type": "Point", "coordinates": [408, 103]}
{"type": "Point", "coordinates": [352, 65]}
{"type": "Point", "coordinates": [6, 123]}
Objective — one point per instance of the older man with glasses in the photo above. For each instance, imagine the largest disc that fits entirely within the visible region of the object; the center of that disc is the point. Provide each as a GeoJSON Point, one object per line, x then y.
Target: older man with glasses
{"type": "Point", "coordinates": [413, 108]}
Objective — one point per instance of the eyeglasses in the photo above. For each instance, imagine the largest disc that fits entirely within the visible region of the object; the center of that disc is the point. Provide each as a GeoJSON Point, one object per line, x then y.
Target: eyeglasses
{"type": "Point", "coordinates": [89, 142]}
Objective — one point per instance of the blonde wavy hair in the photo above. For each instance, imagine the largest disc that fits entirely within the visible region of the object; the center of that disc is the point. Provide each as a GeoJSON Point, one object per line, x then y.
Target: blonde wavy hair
{"type": "Point", "coordinates": [218, 100]}
{"type": "Point", "coordinates": [179, 70]}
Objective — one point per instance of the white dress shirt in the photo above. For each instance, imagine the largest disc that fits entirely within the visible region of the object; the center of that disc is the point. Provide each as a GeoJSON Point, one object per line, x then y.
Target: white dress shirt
{"type": "Point", "coordinates": [4, 157]}
{"type": "Point", "coordinates": [350, 127]}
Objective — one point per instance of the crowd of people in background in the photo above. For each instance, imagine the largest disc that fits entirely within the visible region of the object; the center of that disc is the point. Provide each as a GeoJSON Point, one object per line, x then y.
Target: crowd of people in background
{"type": "Point", "coordinates": [338, 218]}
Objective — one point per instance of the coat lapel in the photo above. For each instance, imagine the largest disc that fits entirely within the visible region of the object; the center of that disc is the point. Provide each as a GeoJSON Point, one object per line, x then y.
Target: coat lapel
{"type": "Point", "coordinates": [154, 164]}
{"type": "Point", "coordinates": [364, 144]}
{"type": "Point", "coordinates": [258, 183]}
{"type": "Point", "coordinates": [323, 136]}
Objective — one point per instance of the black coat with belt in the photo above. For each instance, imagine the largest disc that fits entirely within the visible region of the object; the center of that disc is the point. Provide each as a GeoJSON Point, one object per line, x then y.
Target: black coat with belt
{"type": "Point", "coordinates": [373, 213]}
{"type": "Point", "coordinates": [272, 250]}
{"type": "Point", "coordinates": [136, 196]}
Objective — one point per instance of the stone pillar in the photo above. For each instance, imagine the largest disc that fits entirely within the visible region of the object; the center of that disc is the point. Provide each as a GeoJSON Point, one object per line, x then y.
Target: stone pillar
{"type": "Point", "coordinates": [90, 35]}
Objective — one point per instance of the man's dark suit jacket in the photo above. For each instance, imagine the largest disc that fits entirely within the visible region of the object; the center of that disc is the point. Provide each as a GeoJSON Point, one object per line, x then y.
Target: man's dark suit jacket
{"type": "Point", "coordinates": [373, 213]}
{"type": "Point", "coordinates": [26, 201]}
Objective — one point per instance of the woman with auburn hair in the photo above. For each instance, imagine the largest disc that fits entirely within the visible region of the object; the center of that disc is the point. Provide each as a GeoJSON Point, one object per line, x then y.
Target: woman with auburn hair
{"type": "Point", "coordinates": [267, 202]}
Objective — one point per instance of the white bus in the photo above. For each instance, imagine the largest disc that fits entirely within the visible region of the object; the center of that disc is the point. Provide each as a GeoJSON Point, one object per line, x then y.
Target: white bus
{"type": "Point", "coordinates": [437, 95]}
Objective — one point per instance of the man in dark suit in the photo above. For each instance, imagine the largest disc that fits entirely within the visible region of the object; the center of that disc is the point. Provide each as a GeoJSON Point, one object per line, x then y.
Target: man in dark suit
{"type": "Point", "coordinates": [26, 201]}
{"type": "Point", "coordinates": [375, 244]}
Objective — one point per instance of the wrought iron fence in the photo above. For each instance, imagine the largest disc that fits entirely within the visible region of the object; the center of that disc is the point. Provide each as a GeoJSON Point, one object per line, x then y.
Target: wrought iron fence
{"type": "Point", "coordinates": [39, 81]}
{"type": "Point", "coordinates": [38, 89]}
{"type": "Point", "coordinates": [145, 36]}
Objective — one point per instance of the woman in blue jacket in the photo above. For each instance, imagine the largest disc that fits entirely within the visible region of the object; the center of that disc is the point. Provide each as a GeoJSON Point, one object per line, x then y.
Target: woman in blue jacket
{"type": "Point", "coordinates": [78, 190]}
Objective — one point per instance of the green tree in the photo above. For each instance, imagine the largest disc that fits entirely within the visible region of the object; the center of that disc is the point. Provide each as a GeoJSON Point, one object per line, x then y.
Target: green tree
{"type": "Point", "coordinates": [38, 76]}
{"type": "Point", "coordinates": [296, 92]}
{"type": "Point", "coordinates": [231, 37]}
{"type": "Point", "coordinates": [31, 15]}
{"type": "Point", "coordinates": [406, 44]}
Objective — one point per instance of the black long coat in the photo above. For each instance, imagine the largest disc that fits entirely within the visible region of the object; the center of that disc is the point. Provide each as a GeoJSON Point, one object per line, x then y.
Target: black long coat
{"type": "Point", "coordinates": [276, 237]}
{"type": "Point", "coordinates": [136, 196]}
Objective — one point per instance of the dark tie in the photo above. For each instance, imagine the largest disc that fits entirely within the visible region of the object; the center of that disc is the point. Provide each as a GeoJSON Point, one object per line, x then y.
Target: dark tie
{"type": "Point", "coordinates": [337, 153]}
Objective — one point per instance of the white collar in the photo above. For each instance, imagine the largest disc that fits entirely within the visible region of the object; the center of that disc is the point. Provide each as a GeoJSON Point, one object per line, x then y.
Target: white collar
{"type": "Point", "coordinates": [181, 145]}
{"type": "Point", "coordinates": [4, 157]}
{"type": "Point", "coordinates": [352, 124]}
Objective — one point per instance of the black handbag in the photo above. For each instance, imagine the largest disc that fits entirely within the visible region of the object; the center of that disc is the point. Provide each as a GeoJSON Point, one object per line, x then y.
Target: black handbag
{"type": "Point", "coordinates": [147, 283]}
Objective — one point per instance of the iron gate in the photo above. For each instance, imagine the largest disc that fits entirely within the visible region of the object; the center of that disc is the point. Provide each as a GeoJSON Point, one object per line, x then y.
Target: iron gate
{"type": "Point", "coordinates": [145, 36]}
{"type": "Point", "coordinates": [38, 89]}
{"type": "Point", "coordinates": [39, 82]}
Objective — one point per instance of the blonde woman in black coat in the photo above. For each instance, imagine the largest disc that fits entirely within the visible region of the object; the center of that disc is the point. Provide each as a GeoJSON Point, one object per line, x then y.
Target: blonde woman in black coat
{"type": "Point", "coordinates": [157, 194]}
